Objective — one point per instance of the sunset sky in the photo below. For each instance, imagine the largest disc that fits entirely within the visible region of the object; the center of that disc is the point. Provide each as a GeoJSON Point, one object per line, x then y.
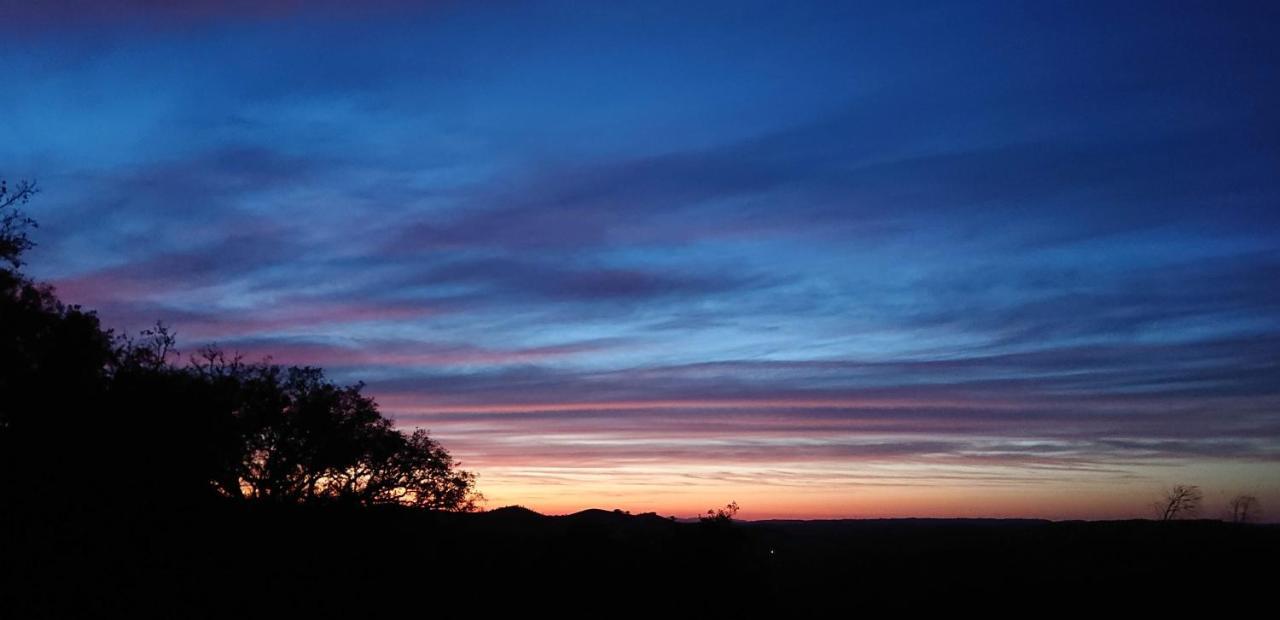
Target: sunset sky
{"type": "Point", "coordinates": [830, 259]}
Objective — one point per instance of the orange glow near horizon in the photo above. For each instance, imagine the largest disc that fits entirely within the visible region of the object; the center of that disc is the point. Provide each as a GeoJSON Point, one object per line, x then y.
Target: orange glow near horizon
{"type": "Point", "coordinates": [765, 502]}
{"type": "Point", "coordinates": [837, 491]}
{"type": "Point", "coordinates": [873, 457]}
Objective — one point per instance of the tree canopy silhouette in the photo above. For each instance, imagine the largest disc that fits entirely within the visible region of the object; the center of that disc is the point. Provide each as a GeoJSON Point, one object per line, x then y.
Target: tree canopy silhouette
{"type": "Point", "coordinates": [303, 438]}
{"type": "Point", "coordinates": [91, 418]}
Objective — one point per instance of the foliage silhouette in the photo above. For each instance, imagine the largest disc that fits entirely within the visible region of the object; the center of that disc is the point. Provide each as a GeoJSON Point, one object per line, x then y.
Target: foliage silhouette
{"type": "Point", "coordinates": [52, 375]}
{"type": "Point", "coordinates": [305, 439]}
{"type": "Point", "coordinates": [720, 515]}
{"type": "Point", "coordinates": [98, 420]}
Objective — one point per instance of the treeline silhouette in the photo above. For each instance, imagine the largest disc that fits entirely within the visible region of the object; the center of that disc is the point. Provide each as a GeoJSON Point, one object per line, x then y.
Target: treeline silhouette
{"type": "Point", "coordinates": [106, 438]}
{"type": "Point", "coordinates": [91, 418]}
{"type": "Point", "coordinates": [135, 483]}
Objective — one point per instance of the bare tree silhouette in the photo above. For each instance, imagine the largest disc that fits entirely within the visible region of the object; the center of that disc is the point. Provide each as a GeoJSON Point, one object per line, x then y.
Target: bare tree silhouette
{"type": "Point", "coordinates": [13, 222]}
{"type": "Point", "coordinates": [1179, 501]}
{"type": "Point", "coordinates": [1244, 509]}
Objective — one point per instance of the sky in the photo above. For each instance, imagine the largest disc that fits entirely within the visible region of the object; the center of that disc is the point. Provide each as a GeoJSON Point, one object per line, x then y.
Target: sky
{"type": "Point", "coordinates": [821, 259]}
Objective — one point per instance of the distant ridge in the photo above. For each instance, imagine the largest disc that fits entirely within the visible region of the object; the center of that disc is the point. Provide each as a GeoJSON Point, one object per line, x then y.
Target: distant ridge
{"type": "Point", "coordinates": [514, 510]}
{"type": "Point", "coordinates": [913, 520]}
{"type": "Point", "coordinates": [512, 516]}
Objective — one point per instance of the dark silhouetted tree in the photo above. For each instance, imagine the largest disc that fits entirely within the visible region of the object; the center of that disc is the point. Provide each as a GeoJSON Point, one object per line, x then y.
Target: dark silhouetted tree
{"type": "Point", "coordinates": [13, 222]}
{"type": "Point", "coordinates": [116, 421]}
{"type": "Point", "coordinates": [720, 515]}
{"type": "Point", "coordinates": [52, 361]}
{"type": "Point", "coordinates": [1244, 509]}
{"type": "Point", "coordinates": [1180, 501]}
{"type": "Point", "coordinates": [306, 439]}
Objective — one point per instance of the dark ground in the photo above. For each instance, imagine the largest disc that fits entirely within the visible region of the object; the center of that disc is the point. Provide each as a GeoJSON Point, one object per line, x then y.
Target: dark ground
{"type": "Point", "coordinates": [234, 561]}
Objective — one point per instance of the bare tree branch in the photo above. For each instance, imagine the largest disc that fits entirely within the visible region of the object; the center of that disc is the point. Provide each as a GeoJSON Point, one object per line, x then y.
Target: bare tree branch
{"type": "Point", "coordinates": [1180, 501]}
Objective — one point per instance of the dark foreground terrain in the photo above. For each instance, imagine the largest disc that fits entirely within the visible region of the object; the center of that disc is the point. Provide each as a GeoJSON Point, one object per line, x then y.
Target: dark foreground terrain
{"type": "Point", "coordinates": [236, 560]}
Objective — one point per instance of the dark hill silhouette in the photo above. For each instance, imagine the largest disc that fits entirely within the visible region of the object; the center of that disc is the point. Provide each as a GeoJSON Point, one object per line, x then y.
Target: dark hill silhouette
{"type": "Point", "coordinates": [616, 518]}
{"type": "Point", "coordinates": [333, 560]}
{"type": "Point", "coordinates": [514, 513]}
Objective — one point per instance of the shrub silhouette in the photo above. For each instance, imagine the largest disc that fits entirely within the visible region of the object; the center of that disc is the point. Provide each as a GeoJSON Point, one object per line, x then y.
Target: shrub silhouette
{"type": "Point", "coordinates": [720, 515]}
{"type": "Point", "coordinates": [91, 420]}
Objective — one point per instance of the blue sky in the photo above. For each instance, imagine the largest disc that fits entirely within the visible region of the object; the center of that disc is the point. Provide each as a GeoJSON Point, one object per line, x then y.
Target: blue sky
{"type": "Point", "coordinates": [824, 259]}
